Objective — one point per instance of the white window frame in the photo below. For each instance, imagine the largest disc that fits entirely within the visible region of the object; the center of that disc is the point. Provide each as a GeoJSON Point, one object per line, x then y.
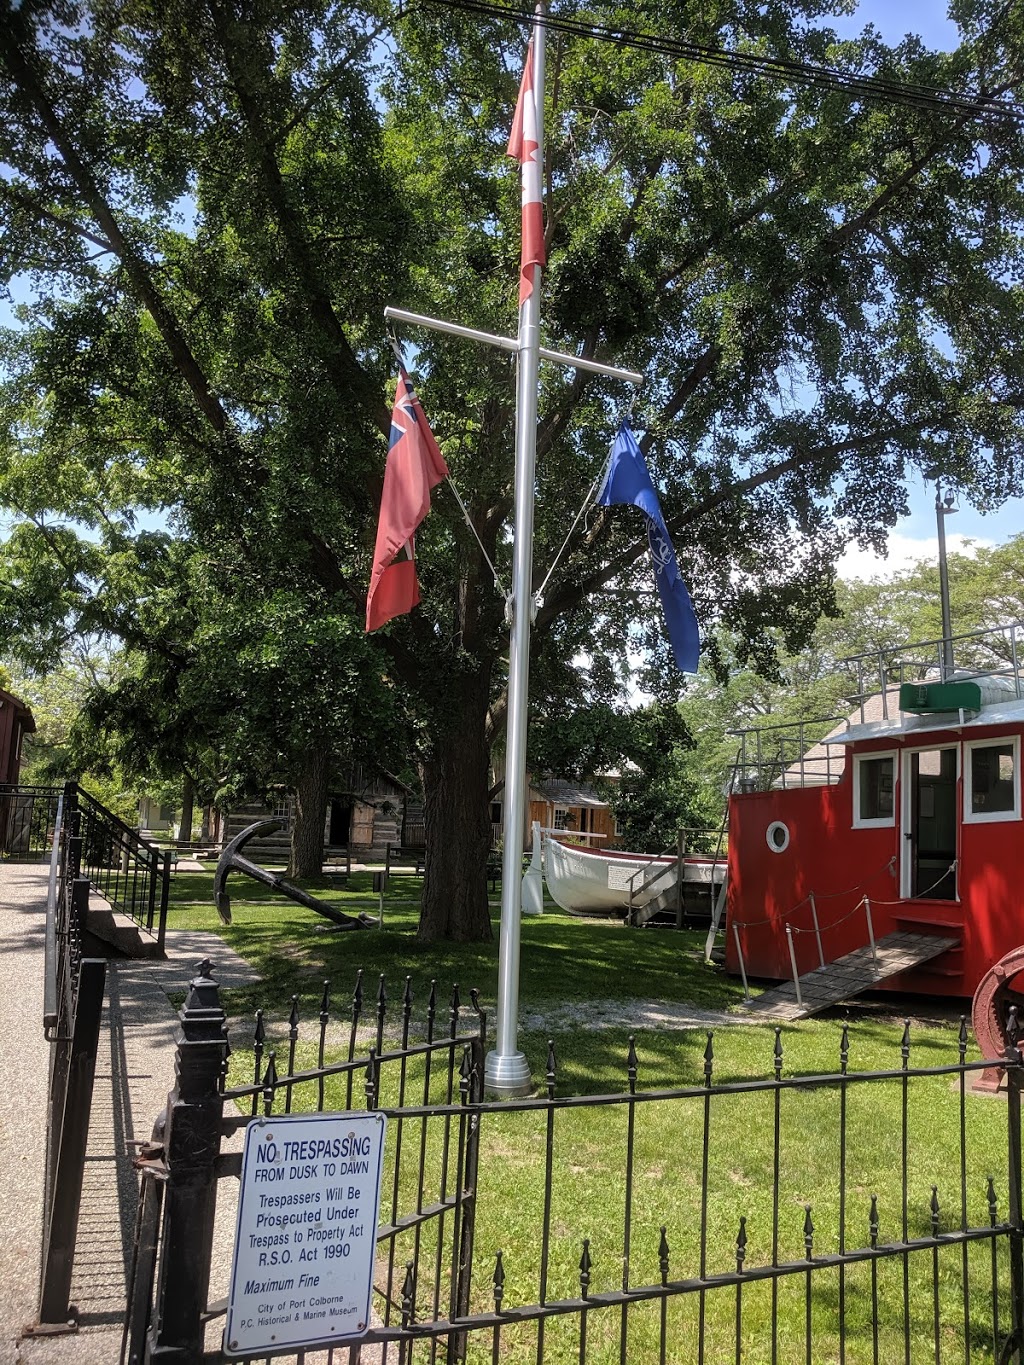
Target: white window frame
{"type": "Point", "coordinates": [882, 821]}
{"type": "Point", "coordinates": [562, 811]}
{"type": "Point", "coordinates": [993, 816]}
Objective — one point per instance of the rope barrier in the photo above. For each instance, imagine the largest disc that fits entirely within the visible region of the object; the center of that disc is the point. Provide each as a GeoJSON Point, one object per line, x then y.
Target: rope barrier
{"type": "Point", "coordinates": [920, 895]}
{"type": "Point", "coordinates": [822, 896]}
{"type": "Point", "coordinates": [837, 922]}
{"type": "Point", "coordinates": [834, 924]}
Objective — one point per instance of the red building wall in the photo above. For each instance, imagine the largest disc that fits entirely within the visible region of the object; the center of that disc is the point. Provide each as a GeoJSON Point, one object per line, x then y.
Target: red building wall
{"type": "Point", "coordinates": [840, 865]}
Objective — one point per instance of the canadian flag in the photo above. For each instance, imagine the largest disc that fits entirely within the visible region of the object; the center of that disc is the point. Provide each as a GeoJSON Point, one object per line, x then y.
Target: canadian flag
{"type": "Point", "coordinates": [524, 145]}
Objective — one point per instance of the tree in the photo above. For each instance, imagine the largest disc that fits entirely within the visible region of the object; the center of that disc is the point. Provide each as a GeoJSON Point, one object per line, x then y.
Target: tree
{"type": "Point", "coordinates": [214, 207]}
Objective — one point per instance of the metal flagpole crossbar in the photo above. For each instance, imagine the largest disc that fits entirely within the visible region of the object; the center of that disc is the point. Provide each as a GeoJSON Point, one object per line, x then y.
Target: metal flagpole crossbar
{"type": "Point", "coordinates": [507, 1072]}
{"type": "Point", "coordinates": [565, 358]}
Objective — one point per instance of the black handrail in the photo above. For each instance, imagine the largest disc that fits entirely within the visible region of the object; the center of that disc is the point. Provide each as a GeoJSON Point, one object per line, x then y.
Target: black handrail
{"type": "Point", "coordinates": [129, 871]}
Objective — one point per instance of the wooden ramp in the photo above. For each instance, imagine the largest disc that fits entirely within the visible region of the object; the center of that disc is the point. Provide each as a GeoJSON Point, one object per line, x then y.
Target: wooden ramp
{"type": "Point", "coordinates": [848, 976]}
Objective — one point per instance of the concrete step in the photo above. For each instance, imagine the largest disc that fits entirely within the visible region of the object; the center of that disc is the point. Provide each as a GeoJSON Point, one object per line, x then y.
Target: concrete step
{"type": "Point", "coordinates": [120, 932]}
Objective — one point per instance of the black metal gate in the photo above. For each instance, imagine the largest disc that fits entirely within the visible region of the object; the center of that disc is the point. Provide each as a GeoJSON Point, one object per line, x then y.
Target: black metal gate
{"type": "Point", "coordinates": [566, 1227]}
{"type": "Point", "coordinates": [369, 1059]}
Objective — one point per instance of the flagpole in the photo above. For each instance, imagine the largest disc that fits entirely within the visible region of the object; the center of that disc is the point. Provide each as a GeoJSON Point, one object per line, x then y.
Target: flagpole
{"type": "Point", "coordinates": [506, 1070]}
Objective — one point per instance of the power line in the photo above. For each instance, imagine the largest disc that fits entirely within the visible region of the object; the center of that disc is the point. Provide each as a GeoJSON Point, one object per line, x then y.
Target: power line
{"type": "Point", "coordinates": [973, 104]}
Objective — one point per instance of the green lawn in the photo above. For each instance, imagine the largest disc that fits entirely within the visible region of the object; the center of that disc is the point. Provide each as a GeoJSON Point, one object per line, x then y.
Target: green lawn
{"type": "Point", "coordinates": [563, 959]}
{"type": "Point", "coordinates": [567, 960]}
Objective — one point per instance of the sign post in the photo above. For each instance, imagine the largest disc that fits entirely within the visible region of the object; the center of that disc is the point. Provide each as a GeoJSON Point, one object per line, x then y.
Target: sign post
{"type": "Point", "coordinates": [306, 1235]}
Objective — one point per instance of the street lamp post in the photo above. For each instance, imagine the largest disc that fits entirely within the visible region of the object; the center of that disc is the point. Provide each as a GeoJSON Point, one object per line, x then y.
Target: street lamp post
{"type": "Point", "coordinates": [944, 508]}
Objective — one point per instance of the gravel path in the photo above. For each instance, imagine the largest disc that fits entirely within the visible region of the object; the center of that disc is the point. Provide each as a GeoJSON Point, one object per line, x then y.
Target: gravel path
{"type": "Point", "coordinates": [635, 1014]}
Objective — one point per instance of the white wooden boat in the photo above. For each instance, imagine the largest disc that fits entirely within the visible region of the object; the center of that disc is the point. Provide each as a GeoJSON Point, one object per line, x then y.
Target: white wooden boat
{"type": "Point", "coordinates": [586, 882]}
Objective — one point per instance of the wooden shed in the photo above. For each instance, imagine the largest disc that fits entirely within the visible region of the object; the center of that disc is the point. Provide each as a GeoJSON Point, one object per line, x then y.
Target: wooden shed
{"type": "Point", "coordinates": [575, 807]}
{"type": "Point", "coordinates": [15, 722]}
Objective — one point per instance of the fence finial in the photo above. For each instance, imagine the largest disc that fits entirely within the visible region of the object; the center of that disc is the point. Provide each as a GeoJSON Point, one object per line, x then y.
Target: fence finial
{"type": "Point", "coordinates": [741, 1245]}
{"type": "Point", "coordinates": [585, 1269]}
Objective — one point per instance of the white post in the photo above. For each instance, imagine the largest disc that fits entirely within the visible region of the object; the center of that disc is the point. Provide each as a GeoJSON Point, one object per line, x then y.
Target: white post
{"type": "Point", "coordinates": [739, 954]}
{"type": "Point", "coordinates": [871, 931]}
{"type": "Point", "coordinates": [792, 959]}
{"type": "Point", "coordinates": [533, 879]}
{"type": "Point", "coordinates": [817, 930]}
{"type": "Point", "coordinates": [506, 1071]}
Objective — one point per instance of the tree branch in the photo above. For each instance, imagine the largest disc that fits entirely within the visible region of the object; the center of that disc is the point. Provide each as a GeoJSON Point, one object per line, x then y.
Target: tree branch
{"type": "Point", "coordinates": [23, 73]}
{"type": "Point", "coordinates": [27, 203]}
{"type": "Point", "coordinates": [343, 370]}
{"type": "Point", "coordinates": [337, 71]}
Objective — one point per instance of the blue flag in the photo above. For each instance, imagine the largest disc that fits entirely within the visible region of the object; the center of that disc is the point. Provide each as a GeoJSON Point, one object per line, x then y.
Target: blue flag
{"type": "Point", "coordinates": [629, 482]}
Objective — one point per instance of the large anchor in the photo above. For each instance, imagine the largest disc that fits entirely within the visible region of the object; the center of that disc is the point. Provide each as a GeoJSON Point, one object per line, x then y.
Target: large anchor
{"type": "Point", "coordinates": [231, 860]}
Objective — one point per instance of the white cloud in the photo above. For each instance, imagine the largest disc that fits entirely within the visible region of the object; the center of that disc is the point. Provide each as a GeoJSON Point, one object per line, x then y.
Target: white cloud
{"type": "Point", "coordinates": [903, 551]}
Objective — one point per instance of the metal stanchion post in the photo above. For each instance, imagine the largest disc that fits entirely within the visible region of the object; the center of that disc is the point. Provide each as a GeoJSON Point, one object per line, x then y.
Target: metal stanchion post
{"type": "Point", "coordinates": [792, 959]}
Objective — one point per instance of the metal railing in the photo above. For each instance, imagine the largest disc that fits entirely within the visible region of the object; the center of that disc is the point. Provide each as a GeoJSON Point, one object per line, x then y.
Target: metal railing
{"type": "Point", "coordinates": [72, 1005]}
{"type": "Point", "coordinates": [130, 872]}
{"type": "Point", "coordinates": [409, 1071]}
{"type": "Point", "coordinates": [992, 652]}
{"type": "Point", "coordinates": [818, 1268]}
{"type": "Point", "coordinates": [776, 756]}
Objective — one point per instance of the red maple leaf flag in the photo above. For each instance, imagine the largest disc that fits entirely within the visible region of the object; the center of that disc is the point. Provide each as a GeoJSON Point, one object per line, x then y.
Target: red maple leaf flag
{"type": "Point", "coordinates": [524, 145]}
{"type": "Point", "coordinates": [415, 465]}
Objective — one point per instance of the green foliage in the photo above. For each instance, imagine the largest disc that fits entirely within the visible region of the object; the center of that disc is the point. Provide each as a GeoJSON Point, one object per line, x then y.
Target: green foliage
{"type": "Point", "coordinates": [210, 207]}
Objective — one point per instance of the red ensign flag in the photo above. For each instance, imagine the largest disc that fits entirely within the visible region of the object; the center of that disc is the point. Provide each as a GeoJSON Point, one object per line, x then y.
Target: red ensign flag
{"type": "Point", "coordinates": [524, 145]}
{"type": "Point", "coordinates": [415, 466]}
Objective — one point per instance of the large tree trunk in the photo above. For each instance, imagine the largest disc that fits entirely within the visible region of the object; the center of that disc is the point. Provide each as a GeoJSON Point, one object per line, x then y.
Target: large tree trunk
{"type": "Point", "coordinates": [188, 797]}
{"type": "Point", "coordinates": [457, 823]}
{"type": "Point", "coordinates": [310, 815]}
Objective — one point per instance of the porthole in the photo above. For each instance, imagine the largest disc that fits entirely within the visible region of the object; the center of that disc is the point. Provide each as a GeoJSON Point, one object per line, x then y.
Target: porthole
{"type": "Point", "coordinates": [777, 836]}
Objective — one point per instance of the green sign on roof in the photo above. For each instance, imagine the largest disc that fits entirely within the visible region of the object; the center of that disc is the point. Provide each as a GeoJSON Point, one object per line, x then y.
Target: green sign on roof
{"type": "Point", "coordinates": [940, 696]}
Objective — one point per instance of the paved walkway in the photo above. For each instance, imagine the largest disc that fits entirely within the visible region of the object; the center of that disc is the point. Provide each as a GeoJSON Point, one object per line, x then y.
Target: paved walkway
{"type": "Point", "coordinates": [134, 1071]}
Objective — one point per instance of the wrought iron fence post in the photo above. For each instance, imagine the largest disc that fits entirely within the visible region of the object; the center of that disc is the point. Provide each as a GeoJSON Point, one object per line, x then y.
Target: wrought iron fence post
{"type": "Point", "coordinates": [70, 1101]}
{"type": "Point", "coordinates": [152, 857]}
{"type": "Point", "coordinates": [165, 895]}
{"type": "Point", "coordinates": [1014, 1081]}
{"type": "Point", "coordinates": [464, 1246]}
{"type": "Point", "coordinates": [192, 1145]}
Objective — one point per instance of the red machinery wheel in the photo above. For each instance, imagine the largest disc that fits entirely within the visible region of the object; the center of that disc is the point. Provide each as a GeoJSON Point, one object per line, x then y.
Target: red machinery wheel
{"type": "Point", "coordinates": [998, 990]}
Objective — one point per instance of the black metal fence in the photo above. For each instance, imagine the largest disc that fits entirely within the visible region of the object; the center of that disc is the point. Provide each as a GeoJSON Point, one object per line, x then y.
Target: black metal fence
{"type": "Point", "coordinates": [364, 1053]}
{"type": "Point", "coordinates": [130, 872]}
{"type": "Point", "coordinates": [789, 1217]}
{"type": "Point", "coordinates": [28, 817]}
{"type": "Point", "coordinates": [72, 1005]}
